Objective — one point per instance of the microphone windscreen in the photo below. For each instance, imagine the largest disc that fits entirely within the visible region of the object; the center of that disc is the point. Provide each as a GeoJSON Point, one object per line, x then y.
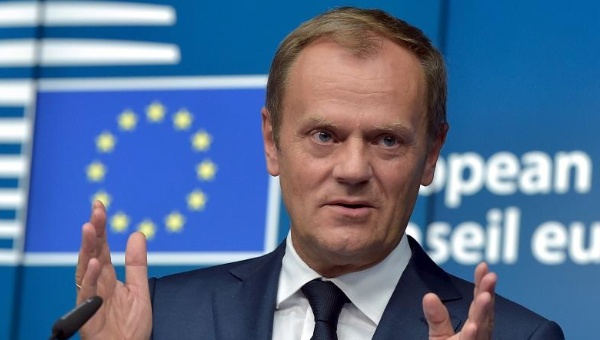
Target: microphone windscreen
{"type": "Point", "coordinates": [70, 323]}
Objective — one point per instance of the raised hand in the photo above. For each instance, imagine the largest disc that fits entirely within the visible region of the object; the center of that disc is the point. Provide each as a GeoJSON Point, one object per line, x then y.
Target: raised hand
{"type": "Point", "coordinates": [480, 323]}
{"type": "Point", "coordinates": [126, 312]}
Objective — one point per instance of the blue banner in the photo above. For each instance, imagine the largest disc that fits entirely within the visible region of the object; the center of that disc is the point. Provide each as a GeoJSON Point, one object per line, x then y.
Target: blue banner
{"type": "Point", "coordinates": [183, 165]}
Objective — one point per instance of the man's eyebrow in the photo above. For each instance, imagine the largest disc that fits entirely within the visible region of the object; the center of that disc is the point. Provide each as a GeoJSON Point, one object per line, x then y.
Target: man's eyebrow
{"type": "Point", "coordinates": [320, 121]}
{"type": "Point", "coordinates": [398, 127]}
{"type": "Point", "coordinates": [393, 127]}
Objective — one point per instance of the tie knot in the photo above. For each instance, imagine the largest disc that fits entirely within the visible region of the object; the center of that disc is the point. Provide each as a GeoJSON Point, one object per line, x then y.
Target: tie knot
{"type": "Point", "coordinates": [326, 300]}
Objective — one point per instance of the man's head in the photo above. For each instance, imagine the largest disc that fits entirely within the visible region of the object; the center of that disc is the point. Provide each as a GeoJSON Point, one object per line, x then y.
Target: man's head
{"type": "Point", "coordinates": [348, 130]}
{"type": "Point", "coordinates": [360, 31]}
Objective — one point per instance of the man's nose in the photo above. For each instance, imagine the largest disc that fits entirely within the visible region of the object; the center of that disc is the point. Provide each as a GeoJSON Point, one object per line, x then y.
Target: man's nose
{"type": "Point", "coordinates": [353, 165]}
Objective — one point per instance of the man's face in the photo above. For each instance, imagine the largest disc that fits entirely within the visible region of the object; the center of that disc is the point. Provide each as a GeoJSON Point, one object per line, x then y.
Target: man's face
{"type": "Point", "coordinates": [353, 151]}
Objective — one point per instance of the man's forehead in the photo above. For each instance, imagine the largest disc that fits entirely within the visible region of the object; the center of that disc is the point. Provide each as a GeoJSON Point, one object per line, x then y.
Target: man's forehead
{"type": "Point", "coordinates": [325, 62]}
{"type": "Point", "coordinates": [320, 54]}
{"type": "Point", "coordinates": [364, 47]}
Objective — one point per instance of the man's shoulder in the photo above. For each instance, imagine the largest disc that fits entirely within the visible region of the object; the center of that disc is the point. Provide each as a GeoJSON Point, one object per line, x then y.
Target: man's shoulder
{"type": "Point", "coordinates": [214, 276]}
{"type": "Point", "coordinates": [184, 305]}
{"type": "Point", "coordinates": [208, 274]}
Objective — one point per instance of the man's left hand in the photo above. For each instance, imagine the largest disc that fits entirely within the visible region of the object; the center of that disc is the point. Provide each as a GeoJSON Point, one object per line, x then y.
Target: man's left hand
{"type": "Point", "coordinates": [480, 323]}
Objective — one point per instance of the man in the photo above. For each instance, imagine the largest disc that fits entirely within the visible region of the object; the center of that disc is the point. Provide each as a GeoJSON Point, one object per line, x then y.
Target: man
{"type": "Point", "coordinates": [353, 125]}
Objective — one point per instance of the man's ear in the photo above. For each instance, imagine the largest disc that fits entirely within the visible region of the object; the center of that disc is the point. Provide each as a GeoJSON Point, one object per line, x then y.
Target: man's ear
{"type": "Point", "coordinates": [271, 151]}
{"type": "Point", "coordinates": [433, 153]}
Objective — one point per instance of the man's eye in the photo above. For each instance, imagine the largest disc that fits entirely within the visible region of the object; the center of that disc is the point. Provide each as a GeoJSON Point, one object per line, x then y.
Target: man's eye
{"type": "Point", "coordinates": [388, 141]}
{"type": "Point", "coordinates": [322, 136]}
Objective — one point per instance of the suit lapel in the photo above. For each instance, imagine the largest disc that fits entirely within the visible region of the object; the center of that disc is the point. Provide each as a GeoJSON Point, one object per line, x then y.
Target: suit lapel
{"type": "Point", "coordinates": [403, 317]}
{"type": "Point", "coordinates": [244, 309]}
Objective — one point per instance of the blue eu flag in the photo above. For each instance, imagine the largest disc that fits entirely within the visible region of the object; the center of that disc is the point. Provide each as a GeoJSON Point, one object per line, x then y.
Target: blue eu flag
{"type": "Point", "coordinates": [183, 165]}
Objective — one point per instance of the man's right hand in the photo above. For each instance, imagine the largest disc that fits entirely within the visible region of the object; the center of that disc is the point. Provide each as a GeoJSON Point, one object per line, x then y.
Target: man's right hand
{"type": "Point", "coordinates": [126, 312]}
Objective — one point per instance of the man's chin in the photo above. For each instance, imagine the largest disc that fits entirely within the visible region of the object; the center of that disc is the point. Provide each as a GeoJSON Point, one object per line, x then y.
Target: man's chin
{"type": "Point", "coordinates": [351, 253]}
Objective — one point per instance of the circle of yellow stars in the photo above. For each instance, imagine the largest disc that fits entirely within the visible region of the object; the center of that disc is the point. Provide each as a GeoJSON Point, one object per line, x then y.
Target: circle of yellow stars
{"type": "Point", "coordinates": [206, 170]}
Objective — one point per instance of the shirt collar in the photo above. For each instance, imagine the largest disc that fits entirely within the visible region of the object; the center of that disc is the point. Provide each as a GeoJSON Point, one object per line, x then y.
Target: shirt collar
{"type": "Point", "coordinates": [369, 290]}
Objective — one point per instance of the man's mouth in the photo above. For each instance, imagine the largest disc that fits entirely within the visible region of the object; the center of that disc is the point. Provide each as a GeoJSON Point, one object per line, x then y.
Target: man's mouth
{"type": "Point", "coordinates": [347, 210]}
{"type": "Point", "coordinates": [349, 204]}
{"type": "Point", "coordinates": [352, 205]}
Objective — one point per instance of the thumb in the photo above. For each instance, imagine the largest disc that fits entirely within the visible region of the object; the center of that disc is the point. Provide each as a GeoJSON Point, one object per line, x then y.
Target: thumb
{"type": "Point", "coordinates": [437, 317]}
{"type": "Point", "coordinates": [136, 262]}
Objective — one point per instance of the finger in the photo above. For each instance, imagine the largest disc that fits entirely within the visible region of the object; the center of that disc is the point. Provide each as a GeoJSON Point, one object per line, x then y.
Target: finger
{"type": "Point", "coordinates": [481, 317]}
{"type": "Point", "coordinates": [487, 285]}
{"type": "Point", "coordinates": [437, 317]}
{"type": "Point", "coordinates": [468, 332]}
{"type": "Point", "coordinates": [98, 219]}
{"type": "Point", "coordinates": [480, 271]}
{"type": "Point", "coordinates": [89, 284]}
{"type": "Point", "coordinates": [136, 262]}
{"type": "Point", "coordinates": [87, 251]}
{"type": "Point", "coordinates": [481, 312]}
{"type": "Point", "coordinates": [93, 241]}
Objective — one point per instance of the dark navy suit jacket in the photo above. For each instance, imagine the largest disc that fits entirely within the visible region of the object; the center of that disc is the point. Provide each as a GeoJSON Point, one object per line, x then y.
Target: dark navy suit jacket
{"type": "Point", "coordinates": [237, 301]}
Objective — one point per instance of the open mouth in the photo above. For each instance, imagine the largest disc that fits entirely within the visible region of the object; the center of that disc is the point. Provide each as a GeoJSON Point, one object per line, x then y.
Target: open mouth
{"type": "Point", "coordinates": [352, 206]}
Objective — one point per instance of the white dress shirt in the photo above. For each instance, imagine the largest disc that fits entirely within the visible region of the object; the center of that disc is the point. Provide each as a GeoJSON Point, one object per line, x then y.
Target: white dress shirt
{"type": "Point", "coordinates": [369, 291]}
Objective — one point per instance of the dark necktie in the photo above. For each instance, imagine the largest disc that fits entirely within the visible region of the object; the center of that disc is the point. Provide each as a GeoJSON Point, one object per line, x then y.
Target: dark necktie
{"type": "Point", "coordinates": [326, 301]}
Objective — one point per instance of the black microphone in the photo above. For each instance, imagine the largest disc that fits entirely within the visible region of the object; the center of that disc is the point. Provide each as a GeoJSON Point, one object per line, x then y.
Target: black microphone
{"type": "Point", "coordinates": [69, 323]}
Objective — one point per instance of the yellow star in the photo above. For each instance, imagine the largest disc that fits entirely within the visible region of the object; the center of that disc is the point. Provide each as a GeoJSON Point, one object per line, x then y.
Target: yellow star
{"type": "Point", "coordinates": [206, 170]}
{"type": "Point", "coordinates": [148, 228]}
{"type": "Point", "coordinates": [201, 141]}
{"type": "Point", "coordinates": [155, 112]}
{"type": "Point", "coordinates": [119, 222]}
{"type": "Point", "coordinates": [127, 120]}
{"type": "Point", "coordinates": [175, 221]}
{"type": "Point", "coordinates": [196, 200]}
{"type": "Point", "coordinates": [103, 197]}
{"type": "Point", "coordinates": [105, 142]}
{"type": "Point", "coordinates": [182, 119]}
{"type": "Point", "coordinates": [96, 171]}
